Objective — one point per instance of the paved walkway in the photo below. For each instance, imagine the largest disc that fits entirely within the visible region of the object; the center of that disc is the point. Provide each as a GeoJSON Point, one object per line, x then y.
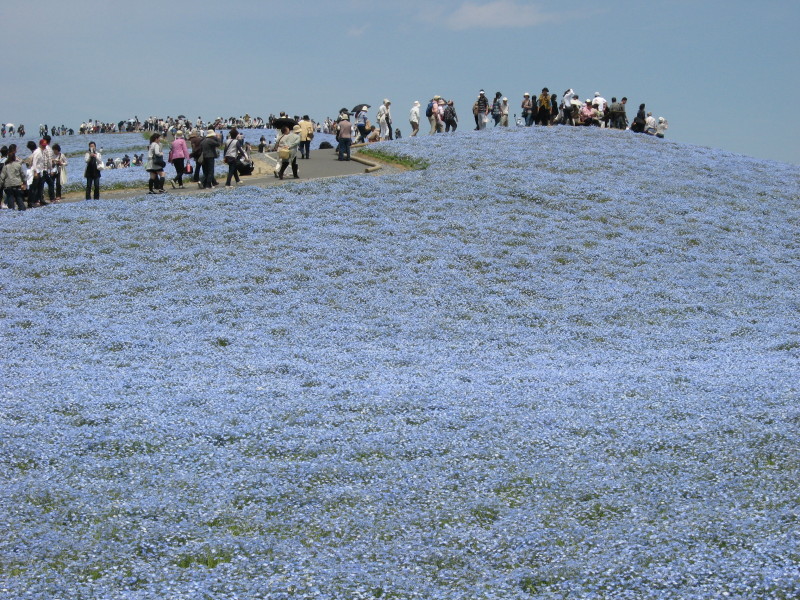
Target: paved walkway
{"type": "Point", "coordinates": [322, 164]}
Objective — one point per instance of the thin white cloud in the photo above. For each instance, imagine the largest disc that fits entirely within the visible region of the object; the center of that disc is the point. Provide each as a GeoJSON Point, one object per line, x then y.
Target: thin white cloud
{"type": "Point", "coordinates": [357, 31]}
{"type": "Point", "coordinates": [496, 15]}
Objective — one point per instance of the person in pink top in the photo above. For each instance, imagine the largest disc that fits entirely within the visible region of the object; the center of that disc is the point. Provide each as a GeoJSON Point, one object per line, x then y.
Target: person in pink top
{"type": "Point", "coordinates": [178, 155]}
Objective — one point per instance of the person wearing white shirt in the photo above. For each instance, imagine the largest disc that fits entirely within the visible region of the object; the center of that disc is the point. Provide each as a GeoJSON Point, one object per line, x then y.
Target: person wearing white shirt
{"type": "Point", "coordinates": [413, 118]}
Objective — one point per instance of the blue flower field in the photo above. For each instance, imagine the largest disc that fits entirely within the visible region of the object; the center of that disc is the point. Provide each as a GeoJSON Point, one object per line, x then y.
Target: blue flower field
{"type": "Point", "coordinates": [557, 363]}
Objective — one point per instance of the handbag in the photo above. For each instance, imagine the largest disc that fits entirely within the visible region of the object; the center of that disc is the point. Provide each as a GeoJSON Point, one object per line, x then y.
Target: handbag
{"type": "Point", "coordinates": [158, 161]}
{"type": "Point", "coordinates": [62, 176]}
{"type": "Point", "coordinates": [189, 170]}
{"type": "Point", "coordinates": [284, 153]}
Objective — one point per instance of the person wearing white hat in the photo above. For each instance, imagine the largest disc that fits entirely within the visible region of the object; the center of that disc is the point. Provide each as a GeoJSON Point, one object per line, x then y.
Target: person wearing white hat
{"type": "Point", "coordinates": [385, 120]}
{"type": "Point", "coordinates": [661, 127]}
{"type": "Point", "coordinates": [208, 148]}
{"type": "Point", "coordinates": [602, 107]}
{"type": "Point", "coordinates": [482, 110]}
{"type": "Point", "coordinates": [504, 112]}
{"type": "Point", "coordinates": [527, 107]}
{"type": "Point", "coordinates": [413, 118]}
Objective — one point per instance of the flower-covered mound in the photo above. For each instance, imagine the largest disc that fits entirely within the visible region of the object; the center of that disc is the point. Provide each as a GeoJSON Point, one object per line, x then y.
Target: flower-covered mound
{"type": "Point", "coordinates": [558, 363]}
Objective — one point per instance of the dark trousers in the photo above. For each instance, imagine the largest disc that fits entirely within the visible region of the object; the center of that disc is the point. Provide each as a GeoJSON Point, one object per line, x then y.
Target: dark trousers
{"type": "Point", "coordinates": [450, 126]}
{"type": "Point", "coordinates": [47, 179]}
{"type": "Point", "coordinates": [344, 148]}
{"type": "Point", "coordinates": [14, 196]}
{"type": "Point", "coordinates": [208, 172]}
{"type": "Point", "coordinates": [198, 167]}
{"type": "Point", "coordinates": [57, 181]}
{"type": "Point", "coordinates": [305, 148]}
{"type": "Point", "coordinates": [233, 171]}
{"type": "Point", "coordinates": [93, 181]}
{"type": "Point", "coordinates": [180, 166]}
{"type": "Point", "coordinates": [285, 163]}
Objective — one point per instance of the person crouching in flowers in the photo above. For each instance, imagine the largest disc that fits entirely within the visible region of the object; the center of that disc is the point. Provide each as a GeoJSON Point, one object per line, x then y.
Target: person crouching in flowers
{"type": "Point", "coordinates": [155, 165]}
{"type": "Point", "coordinates": [94, 164]}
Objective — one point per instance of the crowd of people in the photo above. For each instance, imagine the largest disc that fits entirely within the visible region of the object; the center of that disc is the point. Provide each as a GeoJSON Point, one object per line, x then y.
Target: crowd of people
{"type": "Point", "coordinates": [546, 109]}
{"type": "Point", "coordinates": [24, 180]}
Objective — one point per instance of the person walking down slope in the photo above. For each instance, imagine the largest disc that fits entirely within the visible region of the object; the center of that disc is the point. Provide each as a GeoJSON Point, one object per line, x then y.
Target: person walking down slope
{"type": "Point", "coordinates": [413, 118]}
{"type": "Point", "coordinates": [155, 165]}
{"type": "Point", "coordinates": [449, 116]}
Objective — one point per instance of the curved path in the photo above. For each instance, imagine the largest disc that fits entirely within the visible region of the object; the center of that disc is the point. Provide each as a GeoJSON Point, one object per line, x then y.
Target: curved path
{"type": "Point", "coordinates": [322, 164]}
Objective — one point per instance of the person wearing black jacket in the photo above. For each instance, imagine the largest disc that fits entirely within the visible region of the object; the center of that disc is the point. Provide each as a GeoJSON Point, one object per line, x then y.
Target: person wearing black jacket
{"type": "Point", "coordinates": [208, 148]}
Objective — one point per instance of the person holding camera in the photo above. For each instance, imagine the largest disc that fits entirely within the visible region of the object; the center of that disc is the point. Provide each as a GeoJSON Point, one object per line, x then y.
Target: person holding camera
{"type": "Point", "coordinates": [94, 164]}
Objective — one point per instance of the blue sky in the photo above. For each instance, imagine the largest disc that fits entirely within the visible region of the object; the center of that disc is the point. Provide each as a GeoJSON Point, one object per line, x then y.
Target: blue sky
{"type": "Point", "coordinates": [723, 74]}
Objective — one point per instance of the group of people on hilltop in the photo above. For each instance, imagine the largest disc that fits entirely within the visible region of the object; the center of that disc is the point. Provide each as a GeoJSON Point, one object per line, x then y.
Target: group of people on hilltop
{"type": "Point", "coordinates": [545, 109]}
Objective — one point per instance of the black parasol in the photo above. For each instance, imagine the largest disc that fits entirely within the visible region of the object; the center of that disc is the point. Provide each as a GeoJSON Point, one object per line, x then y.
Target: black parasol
{"type": "Point", "coordinates": [282, 122]}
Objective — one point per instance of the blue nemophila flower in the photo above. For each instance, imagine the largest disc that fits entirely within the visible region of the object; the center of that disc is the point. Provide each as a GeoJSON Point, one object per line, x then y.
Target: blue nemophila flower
{"type": "Point", "coordinates": [557, 362]}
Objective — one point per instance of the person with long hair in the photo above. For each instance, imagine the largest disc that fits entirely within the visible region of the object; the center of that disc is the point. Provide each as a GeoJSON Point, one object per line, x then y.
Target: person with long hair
{"type": "Point", "coordinates": [155, 165]}
{"type": "Point", "coordinates": [12, 179]}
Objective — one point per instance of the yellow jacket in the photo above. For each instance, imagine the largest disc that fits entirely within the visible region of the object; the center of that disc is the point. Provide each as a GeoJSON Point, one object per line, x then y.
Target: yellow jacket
{"type": "Point", "coordinates": [306, 130]}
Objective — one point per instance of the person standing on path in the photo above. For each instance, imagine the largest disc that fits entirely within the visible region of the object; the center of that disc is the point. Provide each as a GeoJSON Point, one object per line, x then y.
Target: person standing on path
{"type": "Point", "coordinates": [233, 150]}
{"type": "Point", "coordinates": [155, 165]}
{"type": "Point", "coordinates": [94, 164]}
{"type": "Point", "coordinates": [208, 148]}
{"type": "Point", "coordinates": [306, 135]}
{"type": "Point", "coordinates": [178, 154]}
{"type": "Point", "coordinates": [287, 150]}
{"type": "Point", "coordinates": [345, 137]}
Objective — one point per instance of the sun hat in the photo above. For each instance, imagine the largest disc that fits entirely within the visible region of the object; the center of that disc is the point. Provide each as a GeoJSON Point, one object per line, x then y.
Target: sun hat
{"type": "Point", "coordinates": [505, 99]}
{"type": "Point", "coordinates": [416, 102]}
{"type": "Point", "coordinates": [296, 128]}
{"type": "Point", "coordinates": [526, 94]}
{"type": "Point", "coordinates": [210, 132]}
{"type": "Point", "coordinates": [596, 94]}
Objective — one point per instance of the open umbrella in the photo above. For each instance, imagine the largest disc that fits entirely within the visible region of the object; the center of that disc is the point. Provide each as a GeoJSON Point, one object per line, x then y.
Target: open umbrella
{"type": "Point", "coordinates": [282, 122]}
{"type": "Point", "coordinates": [359, 107]}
